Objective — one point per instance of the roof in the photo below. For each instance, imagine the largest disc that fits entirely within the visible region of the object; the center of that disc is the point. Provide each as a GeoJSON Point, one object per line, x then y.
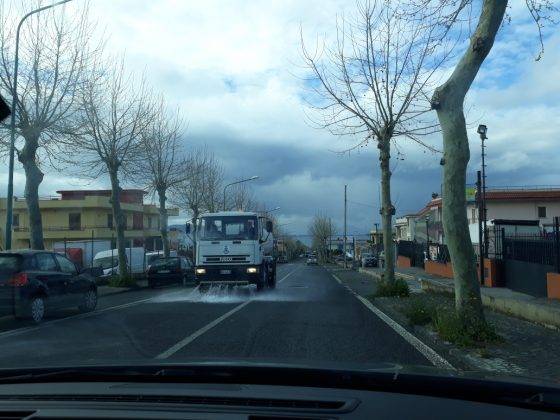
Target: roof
{"type": "Point", "coordinates": [229, 213]}
{"type": "Point", "coordinates": [523, 195]}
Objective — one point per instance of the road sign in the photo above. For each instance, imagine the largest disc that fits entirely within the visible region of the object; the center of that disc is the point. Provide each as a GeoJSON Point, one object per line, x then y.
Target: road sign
{"type": "Point", "coordinates": [4, 109]}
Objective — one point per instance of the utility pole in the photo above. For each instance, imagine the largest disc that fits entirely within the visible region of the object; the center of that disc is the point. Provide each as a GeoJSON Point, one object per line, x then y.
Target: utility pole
{"type": "Point", "coordinates": [345, 214]}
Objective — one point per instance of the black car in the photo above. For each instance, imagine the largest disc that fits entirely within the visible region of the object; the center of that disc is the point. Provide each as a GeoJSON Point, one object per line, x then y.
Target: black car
{"type": "Point", "coordinates": [32, 282]}
{"type": "Point", "coordinates": [169, 270]}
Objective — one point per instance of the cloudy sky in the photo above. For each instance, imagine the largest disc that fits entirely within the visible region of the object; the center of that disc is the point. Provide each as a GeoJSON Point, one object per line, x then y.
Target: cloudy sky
{"type": "Point", "coordinates": [235, 70]}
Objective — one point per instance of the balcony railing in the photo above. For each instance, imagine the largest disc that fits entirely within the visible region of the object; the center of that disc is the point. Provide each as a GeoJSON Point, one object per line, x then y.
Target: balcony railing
{"type": "Point", "coordinates": [81, 228]}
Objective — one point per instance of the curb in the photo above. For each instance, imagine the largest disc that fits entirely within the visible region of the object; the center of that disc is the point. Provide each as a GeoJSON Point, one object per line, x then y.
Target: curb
{"type": "Point", "coordinates": [529, 311]}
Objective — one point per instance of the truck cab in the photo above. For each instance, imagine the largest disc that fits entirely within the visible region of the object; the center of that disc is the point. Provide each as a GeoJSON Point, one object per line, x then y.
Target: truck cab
{"type": "Point", "coordinates": [234, 248]}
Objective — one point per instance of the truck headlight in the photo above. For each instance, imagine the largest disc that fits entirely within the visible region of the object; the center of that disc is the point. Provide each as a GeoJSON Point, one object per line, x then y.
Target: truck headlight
{"type": "Point", "coordinates": [252, 270]}
{"type": "Point", "coordinates": [200, 271]}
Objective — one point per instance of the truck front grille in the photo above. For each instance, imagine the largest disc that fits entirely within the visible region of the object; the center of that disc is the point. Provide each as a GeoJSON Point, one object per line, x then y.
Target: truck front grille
{"type": "Point", "coordinates": [225, 259]}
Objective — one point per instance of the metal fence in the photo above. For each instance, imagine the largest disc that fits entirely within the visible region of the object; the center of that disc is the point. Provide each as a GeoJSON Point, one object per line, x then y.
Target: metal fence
{"type": "Point", "coordinates": [531, 248]}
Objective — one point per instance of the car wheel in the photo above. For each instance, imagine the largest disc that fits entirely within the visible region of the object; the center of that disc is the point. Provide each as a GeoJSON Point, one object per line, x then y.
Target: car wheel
{"type": "Point", "coordinates": [89, 301]}
{"type": "Point", "coordinates": [37, 309]}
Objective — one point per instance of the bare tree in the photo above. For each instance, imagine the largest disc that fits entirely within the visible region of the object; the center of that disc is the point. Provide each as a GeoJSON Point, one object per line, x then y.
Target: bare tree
{"type": "Point", "coordinates": [161, 164]}
{"type": "Point", "coordinates": [115, 113]}
{"type": "Point", "coordinates": [213, 185]}
{"type": "Point", "coordinates": [448, 101]}
{"type": "Point", "coordinates": [190, 193]}
{"type": "Point", "coordinates": [241, 198]}
{"type": "Point", "coordinates": [55, 52]}
{"type": "Point", "coordinates": [321, 230]}
{"type": "Point", "coordinates": [373, 85]}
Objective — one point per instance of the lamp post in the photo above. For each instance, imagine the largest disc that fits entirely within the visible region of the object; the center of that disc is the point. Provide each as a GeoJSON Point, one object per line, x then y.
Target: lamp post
{"type": "Point", "coordinates": [482, 130]}
{"type": "Point", "coordinates": [236, 182]}
{"type": "Point", "coordinates": [10, 194]}
{"type": "Point", "coordinates": [271, 210]}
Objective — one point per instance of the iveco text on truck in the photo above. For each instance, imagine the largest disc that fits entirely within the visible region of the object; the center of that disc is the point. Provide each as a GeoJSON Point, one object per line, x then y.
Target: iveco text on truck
{"type": "Point", "coordinates": [234, 248]}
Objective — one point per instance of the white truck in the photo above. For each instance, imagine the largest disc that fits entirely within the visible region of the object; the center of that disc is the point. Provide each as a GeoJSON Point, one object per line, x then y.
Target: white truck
{"type": "Point", "coordinates": [234, 248]}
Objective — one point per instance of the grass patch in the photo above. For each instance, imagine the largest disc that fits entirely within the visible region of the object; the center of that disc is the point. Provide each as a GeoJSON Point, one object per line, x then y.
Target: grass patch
{"type": "Point", "coordinates": [418, 311]}
{"type": "Point", "coordinates": [118, 281]}
{"type": "Point", "coordinates": [452, 327]}
{"type": "Point", "coordinates": [398, 288]}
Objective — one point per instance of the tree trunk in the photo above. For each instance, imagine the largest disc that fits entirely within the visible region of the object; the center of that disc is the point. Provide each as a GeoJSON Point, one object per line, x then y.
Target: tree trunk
{"type": "Point", "coordinates": [448, 101]}
{"type": "Point", "coordinates": [163, 222]}
{"type": "Point", "coordinates": [387, 209]}
{"type": "Point", "coordinates": [33, 178]}
{"type": "Point", "coordinates": [120, 222]}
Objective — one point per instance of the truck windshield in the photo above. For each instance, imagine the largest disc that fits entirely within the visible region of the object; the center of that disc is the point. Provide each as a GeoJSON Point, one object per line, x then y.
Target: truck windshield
{"type": "Point", "coordinates": [227, 227]}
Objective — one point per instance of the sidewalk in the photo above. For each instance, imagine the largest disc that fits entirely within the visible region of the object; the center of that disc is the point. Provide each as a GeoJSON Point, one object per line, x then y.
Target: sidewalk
{"type": "Point", "coordinates": [540, 310]}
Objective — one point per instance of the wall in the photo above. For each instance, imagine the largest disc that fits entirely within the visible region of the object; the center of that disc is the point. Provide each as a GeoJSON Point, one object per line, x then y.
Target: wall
{"type": "Point", "coordinates": [403, 262]}
{"type": "Point", "coordinates": [439, 269]}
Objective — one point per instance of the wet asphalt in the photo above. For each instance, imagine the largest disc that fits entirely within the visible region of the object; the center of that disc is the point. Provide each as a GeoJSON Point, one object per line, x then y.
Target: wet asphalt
{"type": "Point", "coordinates": [309, 318]}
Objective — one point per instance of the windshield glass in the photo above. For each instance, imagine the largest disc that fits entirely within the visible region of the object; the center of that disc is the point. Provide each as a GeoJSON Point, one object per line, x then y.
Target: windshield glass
{"type": "Point", "coordinates": [228, 227]}
{"type": "Point", "coordinates": [9, 263]}
{"type": "Point", "coordinates": [165, 263]}
{"type": "Point", "coordinates": [355, 183]}
{"type": "Point", "coordinates": [106, 262]}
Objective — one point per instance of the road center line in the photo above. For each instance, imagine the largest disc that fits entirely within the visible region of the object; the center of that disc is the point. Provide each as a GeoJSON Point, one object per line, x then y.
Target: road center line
{"type": "Point", "coordinates": [189, 339]}
{"type": "Point", "coordinates": [423, 348]}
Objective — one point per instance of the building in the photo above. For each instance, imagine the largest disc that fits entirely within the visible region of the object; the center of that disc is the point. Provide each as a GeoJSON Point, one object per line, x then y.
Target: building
{"type": "Point", "coordinates": [519, 203]}
{"type": "Point", "coordinates": [404, 227]}
{"type": "Point", "coordinates": [425, 225]}
{"type": "Point", "coordinates": [86, 214]}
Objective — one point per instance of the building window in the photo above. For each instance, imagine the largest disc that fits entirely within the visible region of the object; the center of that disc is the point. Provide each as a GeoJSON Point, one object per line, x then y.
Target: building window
{"type": "Point", "coordinates": [137, 221]}
{"type": "Point", "coordinates": [542, 211]}
{"type": "Point", "coordinates": [473, 215]}
{"type": "Point", "coordinates": [15, 220]}
{"type": "Point", "coordinates": [75, 221]}
{"type": "Point", "coordinates": [110, 221]}
{"type": "Point", "coordinates": [149, 222]}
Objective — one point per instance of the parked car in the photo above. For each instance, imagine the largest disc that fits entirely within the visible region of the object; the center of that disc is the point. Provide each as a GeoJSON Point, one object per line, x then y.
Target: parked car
{"type": "Point", "coordinates": [369, 261]}
{"type": "Point", "coordinates": [282, 259]}
{"type": "Point", "coordinates": [312, 261]}
{"type": "Point", "coordinates": [33, 281]}
{"type": "Point", "coordinates": [108, 261]}
{"type": "Point", "coordinates": [169, 270]}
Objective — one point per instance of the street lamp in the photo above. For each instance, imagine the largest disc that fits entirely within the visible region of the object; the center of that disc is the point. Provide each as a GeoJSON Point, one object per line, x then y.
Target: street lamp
{"type": "Point", "coordinates": [271, 210]}
{"type": "Point", "coordinates": [236, 182]}
{"type": "Point", "coordinates": [10, 195]}
{"type": "Point", "coordinates": [482, 130]}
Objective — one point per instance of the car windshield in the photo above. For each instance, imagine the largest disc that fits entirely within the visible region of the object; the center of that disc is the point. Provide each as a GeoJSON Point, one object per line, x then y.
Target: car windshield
{"type": "Point", "coordinates": [318, 182]}
{"type": "Point", "coordinates": [228, 227]}
{"type": "Point", "coordinates": [106, 262]}
{"type": "Point", "coordinates": [165, 263]}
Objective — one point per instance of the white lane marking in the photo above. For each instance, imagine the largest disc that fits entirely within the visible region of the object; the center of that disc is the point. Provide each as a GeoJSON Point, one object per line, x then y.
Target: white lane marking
{"type": "Point", "coordinates": [189, 339]}
{"type": "Point", "coordinates": [423, 348]}
{"type": "Point", "coordinates": [287, 275]}
{"type": "Point", "coordinates": [24, 330]}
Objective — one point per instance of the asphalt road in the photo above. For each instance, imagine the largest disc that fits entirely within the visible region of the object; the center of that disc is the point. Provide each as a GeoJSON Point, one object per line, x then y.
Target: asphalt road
{"type": "Point", "coordinates": [309, 317]}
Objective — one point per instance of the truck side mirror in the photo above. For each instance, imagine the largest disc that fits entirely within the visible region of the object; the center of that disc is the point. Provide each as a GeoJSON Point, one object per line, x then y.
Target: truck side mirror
{"type": "Point", "coordinates": [269, 226]}
{"type": "Point", "coordinates": [187, 228]}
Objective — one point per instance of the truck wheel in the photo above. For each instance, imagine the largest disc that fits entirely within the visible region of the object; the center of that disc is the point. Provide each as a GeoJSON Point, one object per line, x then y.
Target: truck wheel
{"type": "Point", "coordinates": [263, 279]}
{"type": "Point", "coordinates": [272, 279]}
